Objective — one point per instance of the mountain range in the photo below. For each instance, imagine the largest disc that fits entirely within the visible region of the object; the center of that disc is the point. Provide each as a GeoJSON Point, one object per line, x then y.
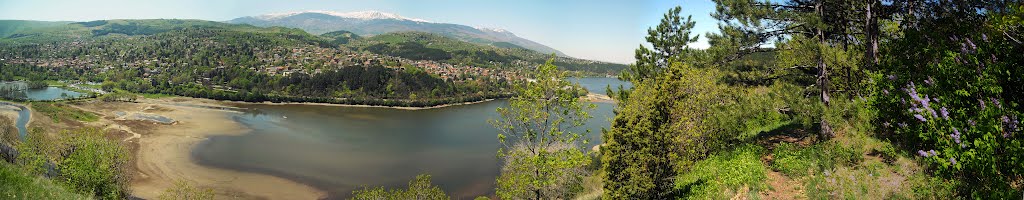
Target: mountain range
{"type": "Point", "coordinates": [369, 23]}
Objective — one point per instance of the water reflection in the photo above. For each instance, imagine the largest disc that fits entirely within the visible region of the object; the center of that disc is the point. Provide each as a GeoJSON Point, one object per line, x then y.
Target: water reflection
{"type": "Point", "coordinates": [338, 149]}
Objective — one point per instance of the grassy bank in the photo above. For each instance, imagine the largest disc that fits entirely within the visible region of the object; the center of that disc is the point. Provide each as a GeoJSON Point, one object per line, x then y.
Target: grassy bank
{"type": "Point", "coordinates": [19, 185]}
{"type": "Point", "coordinates": [60, 111]}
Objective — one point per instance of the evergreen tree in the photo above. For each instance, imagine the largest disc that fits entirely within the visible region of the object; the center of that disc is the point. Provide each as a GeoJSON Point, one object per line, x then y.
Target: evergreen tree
{"type": "Point", "coordinates": [669, 40]}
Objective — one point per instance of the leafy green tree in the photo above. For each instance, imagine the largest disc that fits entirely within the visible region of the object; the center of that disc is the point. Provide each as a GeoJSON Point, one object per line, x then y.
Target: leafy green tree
{"type": "Point", "coordinates": [82, 160]}
{"type": "Point", "coordinates": [542, 151]}
{"type": "Point", "coordinates": [95, 165]}
{"type": "Point", "coordinates": [419, 188]}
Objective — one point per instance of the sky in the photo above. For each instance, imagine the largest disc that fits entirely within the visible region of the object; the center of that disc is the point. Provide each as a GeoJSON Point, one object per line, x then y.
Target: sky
{"type": "Point", "coordinates": [604, 30]}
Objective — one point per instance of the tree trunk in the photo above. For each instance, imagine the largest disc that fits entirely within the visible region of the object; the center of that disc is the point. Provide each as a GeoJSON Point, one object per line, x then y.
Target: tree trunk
{"type": "Point", "coordinates": [871, 32]}
{"type": "Point", "coordinates": [536, 175]}
{"type": "Point", "coordinates": [823, 80]}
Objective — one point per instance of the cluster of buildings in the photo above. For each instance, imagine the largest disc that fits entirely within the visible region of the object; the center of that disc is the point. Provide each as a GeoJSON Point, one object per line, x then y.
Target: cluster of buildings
{"type": "Point", "coordinates": [284, 62]}
{"type": "Point", "coordinates": [312, 60]}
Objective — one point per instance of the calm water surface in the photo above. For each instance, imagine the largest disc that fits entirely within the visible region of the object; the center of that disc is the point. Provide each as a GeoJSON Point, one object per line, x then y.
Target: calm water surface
{"type": "Point", "coordinates": [43, 94]}
{"type": "Point", "coordinates": [339, 149]}
{"type": "Point", "coordinates": [23, 116]}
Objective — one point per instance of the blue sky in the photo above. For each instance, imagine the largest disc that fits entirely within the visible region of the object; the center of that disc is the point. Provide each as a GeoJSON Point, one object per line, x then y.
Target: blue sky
{"type": "Point", "coordinates": [606, 30]}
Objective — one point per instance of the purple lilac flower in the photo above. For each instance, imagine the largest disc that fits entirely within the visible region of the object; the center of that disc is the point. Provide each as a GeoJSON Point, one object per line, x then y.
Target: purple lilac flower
{"type": "Point", "coordinates": [933, 153]}
{"type": "Point", "coordinates": [922, 153]}
{"type": "Point", "coordinates": [924, 102]}
{"type": "Point", "coordinates": [945, 113]}
{"type": "Point", "coordinates": [982, 103]}
{"type": "Point", "coordinates": [971, 44]}
{"type": "Point", "coordinates": [929, 81]}
{"type": "Point", "coordinates": [902, 125]}
{"type": "Point", "coordinates": [1013, 123]}
{"type": "Point", "coordinates": [984, 37]}
{"type": "Point", "coordinates": [885, 91]}
{"type": "Point", "coordinates": [963, 48]}
{"type": "Point", "coordinates": [892, 77]}
{"type": "Point", "coordinates": [952, 160]}
{"type": "Point", "coordinates": [886, 124]}
{"type": "Point", "coordinates": [971, 122]}
{"type": "Point", "coordinates": [955, 135]}
{"type": "Point", "coordinates": [996, 102]}
{"type": "Point", "coordinates": [919, 117]}
{"type": "Point", "coordinates": [936, 99]}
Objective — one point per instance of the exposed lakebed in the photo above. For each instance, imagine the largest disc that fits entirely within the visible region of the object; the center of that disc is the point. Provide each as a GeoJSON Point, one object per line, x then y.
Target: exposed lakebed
{"type": "Point", "coordinates": [338, 149]}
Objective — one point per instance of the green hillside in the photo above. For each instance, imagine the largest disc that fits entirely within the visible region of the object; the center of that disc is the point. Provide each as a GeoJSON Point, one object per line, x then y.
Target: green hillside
{"type": "Point", "coordinates": [225, 61]}
{"type": "Point", "coordinates": [19, 185]}
{"type": "Point", "coordinates": [341, 37]}
{"type": "Point", "coordinates": [428, 46]}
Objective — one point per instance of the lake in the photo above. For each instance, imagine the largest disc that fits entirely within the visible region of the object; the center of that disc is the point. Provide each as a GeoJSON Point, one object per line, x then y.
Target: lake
{"type": "Point", "coordinates": [42, 94]}
{"type": "Point", "coordinates": [598, 85]}
{"type": "Point", "coordinates": [338, 149]}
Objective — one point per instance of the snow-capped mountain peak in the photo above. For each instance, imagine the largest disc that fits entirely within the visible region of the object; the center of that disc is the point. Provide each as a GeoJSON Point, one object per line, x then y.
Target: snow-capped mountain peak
{"type": "Point", "coordinates": [491, 29]}
{"type": "Point", "coordinates": [365, 15]}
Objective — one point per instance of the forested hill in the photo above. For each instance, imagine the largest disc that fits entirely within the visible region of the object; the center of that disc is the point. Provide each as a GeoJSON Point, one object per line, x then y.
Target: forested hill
{"type": "Point", "coordinates": [374, 23]}
{"type": "Point", "coordinates": [225, 61]}
{"type": "Point", "coordinates": [458, 52]}
{"type": "Point", "coordinates": [429, 46]}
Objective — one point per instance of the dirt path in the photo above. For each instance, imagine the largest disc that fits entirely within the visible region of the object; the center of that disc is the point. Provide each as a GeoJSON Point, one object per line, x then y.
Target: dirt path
{"type": "Point", "coordinates": [782, 187]}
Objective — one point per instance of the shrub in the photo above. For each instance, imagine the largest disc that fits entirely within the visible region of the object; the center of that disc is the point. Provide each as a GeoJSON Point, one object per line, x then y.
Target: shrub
{"type": "Point", "coordinates": [957, 104]}
{"type": "Point", "coordinates": [17, 184]}
{"type": "Point", "coordinates": [712, 178]}
{"type": "Point", "coordinates": [82, 160]}
{"type": "Point", "coordinates": [793, 160]}
{"type": "Point", "coordinates": [185, 190]}
{"type": "Point", "coordinates": [8, 132]}
{"type": "Point", "coordinates": [419, 188]}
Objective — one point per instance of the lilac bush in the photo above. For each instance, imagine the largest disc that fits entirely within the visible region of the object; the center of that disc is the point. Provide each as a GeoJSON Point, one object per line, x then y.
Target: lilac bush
{"type": "Point", "coordinates": [973, 134]}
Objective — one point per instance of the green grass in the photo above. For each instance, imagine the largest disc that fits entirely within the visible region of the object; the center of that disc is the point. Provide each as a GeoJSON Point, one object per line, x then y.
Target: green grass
{"type": "Point", "coordinates": [15, 184]}
{"type": "Point", "coordinates": [157, 96]}
{"type": "Point", "coordinates": [54, 83]}
{"type": "Point", "coordinates": [857, 166]}
{"type": "Point", "coordinates": [798, 161]}
{"type": "Point", "coordinates": [60, 111]}
{"type": "Point", "coordinates": [92, 86]}
{"type": "Point", "coordinates": [720, 176]}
